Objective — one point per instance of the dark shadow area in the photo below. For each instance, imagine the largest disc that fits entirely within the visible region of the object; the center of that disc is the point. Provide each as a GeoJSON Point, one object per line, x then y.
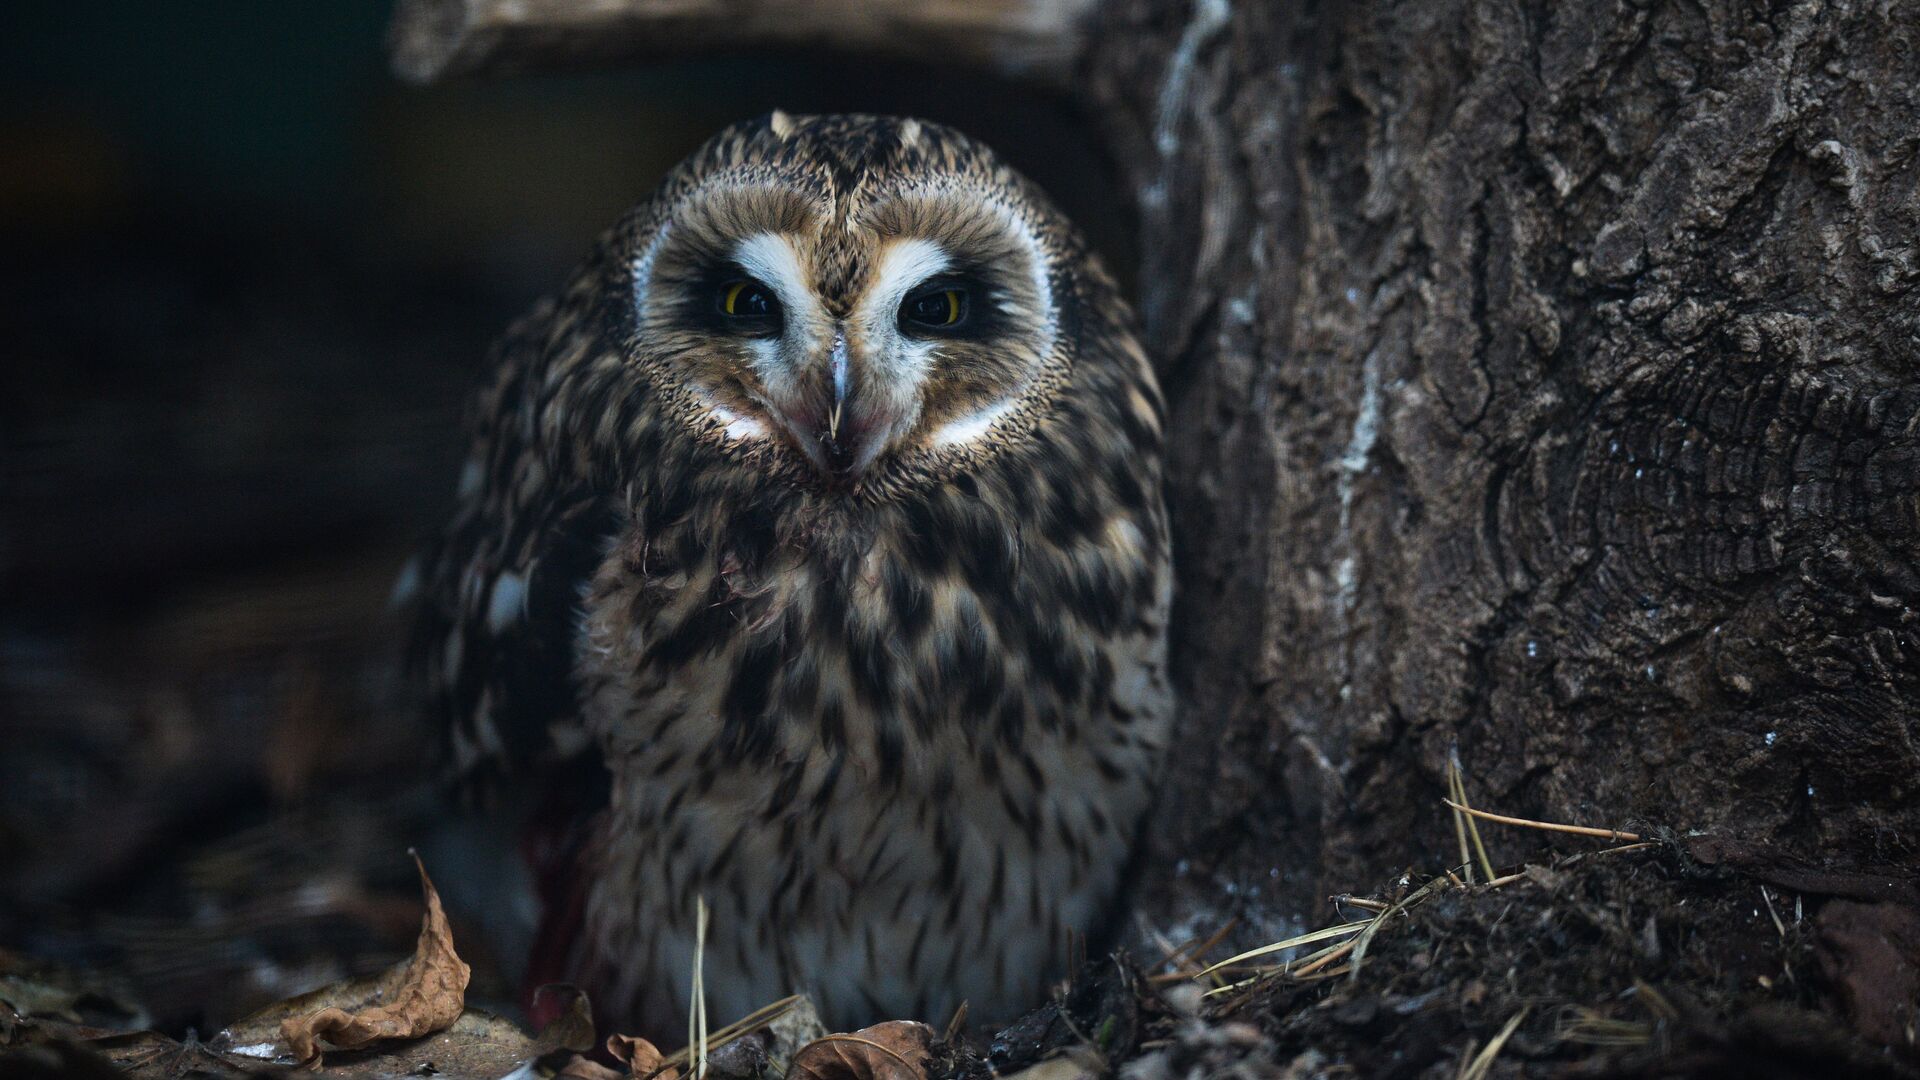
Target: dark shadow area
{"type": "Point", "coordinates": [249, 282]}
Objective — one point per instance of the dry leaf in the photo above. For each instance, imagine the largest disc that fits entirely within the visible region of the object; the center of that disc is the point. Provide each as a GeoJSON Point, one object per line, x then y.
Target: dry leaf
{"type": "Point", "coordinates": [895, 1050]}
{"type": "Point", "coordinates": [429, 997]}
{"type": "Point", "coordinates": [568, 1017]}
{"type": "Point", "coordinates": [641, 1057]}
{"type": "Point", "coordinates": [586, 1069]}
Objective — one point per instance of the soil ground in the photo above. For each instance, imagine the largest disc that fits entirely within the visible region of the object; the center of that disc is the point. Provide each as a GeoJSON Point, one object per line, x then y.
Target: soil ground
{"type": "Point", "coordinates": [1630, 961]}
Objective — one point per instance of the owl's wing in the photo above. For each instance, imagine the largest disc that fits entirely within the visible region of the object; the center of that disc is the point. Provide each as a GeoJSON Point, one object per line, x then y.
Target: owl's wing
{"type": "Point", "coordinates": [497, 593]}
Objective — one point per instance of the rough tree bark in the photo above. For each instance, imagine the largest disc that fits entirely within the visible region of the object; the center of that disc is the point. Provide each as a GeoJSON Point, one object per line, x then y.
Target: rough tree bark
{"type": "Point", "coordinates": [1547, 387]}
{"type": "Point", "coordinates": [1545, 390]}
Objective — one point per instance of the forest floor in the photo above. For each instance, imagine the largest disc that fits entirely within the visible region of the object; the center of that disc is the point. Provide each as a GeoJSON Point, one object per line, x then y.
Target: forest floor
{"type": "Point", "coordinates": [202, 836]}
{"type": "Point", "coordinates": [1619, 963]}
{"type": "Point", "coordinates": [1642, 958]}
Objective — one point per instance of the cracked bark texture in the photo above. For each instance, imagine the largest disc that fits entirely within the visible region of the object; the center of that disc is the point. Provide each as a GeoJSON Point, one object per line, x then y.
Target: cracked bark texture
{"type": "Point", "coordinates": [1544, 388]}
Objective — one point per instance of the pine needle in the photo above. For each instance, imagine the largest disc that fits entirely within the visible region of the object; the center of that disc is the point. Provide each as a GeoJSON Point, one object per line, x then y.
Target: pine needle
{"type": "Point", "coordinates": [956, 1025]}
{"type": "Point", "coordinates": [1326, 957]}
{"type": "Point", "coordinates": [746, 1025]}
{"type": "Point", "coordinates": [1304, 939]}
{"type": "Point", "coordinates": [697, 1008]}
{"type": "Point", "coordinates": [1459, 819]}
{"type": "Point", "coordinates": [1192, 952]}
{"type": "Point", "coordinates": [1465, 811]}
{"type": "Point", "coordinates": [860, 1040]}
{"type": "Point", "coordinates": [1477, 1068]}
{"type": "Point", "coordinates": [1373, 925]}
{"type": "Point", "coordinates": [1579, 1024]}
{"type": "Point", "coordinates": [1528, 823]}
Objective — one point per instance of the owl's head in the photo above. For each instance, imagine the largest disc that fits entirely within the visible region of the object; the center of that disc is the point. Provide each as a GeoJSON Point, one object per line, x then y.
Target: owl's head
{"type": "Point", "coordinates": [843, 298]}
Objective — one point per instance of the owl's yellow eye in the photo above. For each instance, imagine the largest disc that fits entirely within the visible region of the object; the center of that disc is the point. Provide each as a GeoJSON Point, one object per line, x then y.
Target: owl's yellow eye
{"type": "Point", "coordinates": [748, 300]}
{"type": "Point", "coordinates": [935, 308]}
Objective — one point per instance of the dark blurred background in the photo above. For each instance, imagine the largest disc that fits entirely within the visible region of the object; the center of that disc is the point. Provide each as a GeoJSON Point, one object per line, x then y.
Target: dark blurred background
{"type": "Point", "coordinates": [246, 281]}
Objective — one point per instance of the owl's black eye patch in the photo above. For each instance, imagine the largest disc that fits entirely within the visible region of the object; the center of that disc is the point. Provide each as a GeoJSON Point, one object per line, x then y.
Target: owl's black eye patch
{"type": "Point", "coordinates": [746, 305]}
{"type": "Point", "coordinates": [942, 306]}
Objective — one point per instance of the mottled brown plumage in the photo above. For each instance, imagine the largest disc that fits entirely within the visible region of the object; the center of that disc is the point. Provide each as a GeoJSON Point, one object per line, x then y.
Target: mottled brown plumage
{"type": "Point", "coordinates": [824, 507]}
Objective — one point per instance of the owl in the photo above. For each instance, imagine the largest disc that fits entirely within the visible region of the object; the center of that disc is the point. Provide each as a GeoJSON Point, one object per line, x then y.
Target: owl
{"type": "Point", "coordinates": [811, 555]}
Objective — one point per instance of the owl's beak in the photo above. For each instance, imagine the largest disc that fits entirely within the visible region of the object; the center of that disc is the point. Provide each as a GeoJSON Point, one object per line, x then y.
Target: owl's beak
{"type": "Point", "coordinates": [832, 429]}
{"type": "Point", "coordinates": [841, 452]}
{"type": "Point", "coordinates": [839, 370]}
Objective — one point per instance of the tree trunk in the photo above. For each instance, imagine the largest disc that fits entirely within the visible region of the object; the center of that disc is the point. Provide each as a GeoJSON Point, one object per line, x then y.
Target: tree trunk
{"type": "Point", "coordinates": [1544, 392]}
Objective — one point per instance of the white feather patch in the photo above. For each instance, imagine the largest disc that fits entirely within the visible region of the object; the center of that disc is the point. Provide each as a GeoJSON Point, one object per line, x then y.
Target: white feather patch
{"type": "Point", "coordinates": [737, 426]}
{"type": "Point", "coordinates": [1038, 269]}
{"type": "Point", "coordinates": [906, 264]}
{"type": "Point", "coordinates": [407, 585]}
{"type": "Point", "coordinates": [471, 476]}
{"type": "Point", "coordinates": [643, 270]}
{"type": "Point", "coordinates": [898, 363]}
{"type": "Point", "coordinates": [771, 259]}
{"type": "Point", "coordinates": [507, 601]}
{"type": "Point", "coordinates": [965, 429]}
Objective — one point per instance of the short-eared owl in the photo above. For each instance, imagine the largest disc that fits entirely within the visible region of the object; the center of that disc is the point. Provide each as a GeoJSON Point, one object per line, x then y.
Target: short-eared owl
{"type": "Point", "coordinates": [823, 507]}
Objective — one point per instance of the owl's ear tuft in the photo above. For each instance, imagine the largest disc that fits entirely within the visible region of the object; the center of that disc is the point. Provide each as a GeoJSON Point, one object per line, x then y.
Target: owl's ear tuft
{"type": "Point", "coordinates": [780, 123]}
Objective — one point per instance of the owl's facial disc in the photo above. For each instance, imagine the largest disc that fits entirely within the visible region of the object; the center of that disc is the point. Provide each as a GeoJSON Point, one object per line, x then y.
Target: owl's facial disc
{"type": "Point", "coordinates": [913, 326]}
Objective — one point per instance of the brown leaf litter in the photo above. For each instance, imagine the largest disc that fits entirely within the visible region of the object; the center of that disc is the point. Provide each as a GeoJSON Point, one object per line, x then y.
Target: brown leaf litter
{"type": "Point", "coordinates": [894, 1050]}
{"type": "Point", "coordinates": [641, 1057]}
{"type": "Point", "coordinates": [427, 997]}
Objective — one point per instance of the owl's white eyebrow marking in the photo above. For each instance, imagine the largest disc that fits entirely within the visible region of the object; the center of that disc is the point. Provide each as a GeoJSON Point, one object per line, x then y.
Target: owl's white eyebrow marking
{"type": "Point", "coordinates": [906, 264]}
{"type": "Point", "coordinates": [1042, 282]}
{"type": "Point", "coordinates": [903, 267]}
{"type": "Point", "coordinates": [770, 258]}
{"type": "Point", "coordinates": [643, 269]}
